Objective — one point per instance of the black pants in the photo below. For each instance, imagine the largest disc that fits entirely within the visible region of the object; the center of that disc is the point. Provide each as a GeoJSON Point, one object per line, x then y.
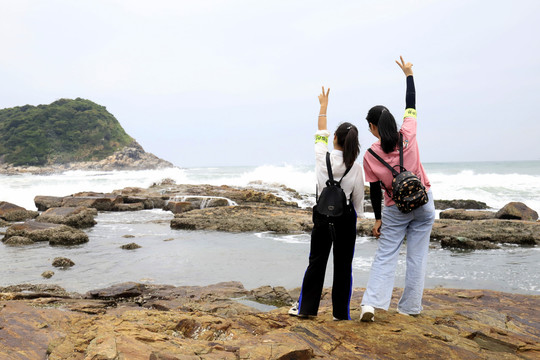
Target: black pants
{"type": "Point", "coordinates": [340, 232]}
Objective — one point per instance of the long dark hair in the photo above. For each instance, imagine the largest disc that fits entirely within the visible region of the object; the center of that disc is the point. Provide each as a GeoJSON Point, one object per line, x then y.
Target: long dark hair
{"type": "Point", "coordinates": [347, 138]}
{"type": "Point", "coordinates": [381, 117]}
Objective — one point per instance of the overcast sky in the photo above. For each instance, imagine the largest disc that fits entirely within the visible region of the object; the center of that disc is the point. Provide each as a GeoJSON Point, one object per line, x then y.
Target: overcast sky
{"type": "Point", "coordinates": [206, 83]}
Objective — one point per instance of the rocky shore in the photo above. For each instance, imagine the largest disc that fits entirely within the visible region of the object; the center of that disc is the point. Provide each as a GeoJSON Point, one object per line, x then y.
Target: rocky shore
{"type": "Point", "coordinates": [225, 321]}
{"type": "Point", "coordinates": [131, 157]}
{"type": "Point", "coordinates": [235, 209]}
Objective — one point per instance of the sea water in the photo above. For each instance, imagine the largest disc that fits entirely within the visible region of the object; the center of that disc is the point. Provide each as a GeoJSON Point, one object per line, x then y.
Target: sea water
{"type": "Point", "coordinates": [181, 257]}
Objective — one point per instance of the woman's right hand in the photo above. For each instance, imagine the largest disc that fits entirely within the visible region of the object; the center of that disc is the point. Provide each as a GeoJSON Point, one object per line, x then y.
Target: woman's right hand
{"type": "Point", "coordinates": [376, 231]}
{"type": "Point", "coordinates": [323, 98]}
{"type": "Point", "coordinates": [406, 67]}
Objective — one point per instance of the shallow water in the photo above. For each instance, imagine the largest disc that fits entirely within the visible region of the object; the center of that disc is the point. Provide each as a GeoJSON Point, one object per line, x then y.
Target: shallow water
{"type": "Point", "coordinates": [180, 257]}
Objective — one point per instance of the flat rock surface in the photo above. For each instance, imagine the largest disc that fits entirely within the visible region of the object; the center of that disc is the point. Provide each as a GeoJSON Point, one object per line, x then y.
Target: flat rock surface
{"type": "Point", "coordinates": [245, 218]}
{"type": "Point", "coordinates": [136, 321]}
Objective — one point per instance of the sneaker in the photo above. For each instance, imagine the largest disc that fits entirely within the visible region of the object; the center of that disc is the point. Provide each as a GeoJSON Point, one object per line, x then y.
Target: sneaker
{"type": "Point", "coordinates": [402, 313]}
{"type": "Point", "coordinates": [294, 311]}
{"type": "Point", "coordinates": [368, 313]}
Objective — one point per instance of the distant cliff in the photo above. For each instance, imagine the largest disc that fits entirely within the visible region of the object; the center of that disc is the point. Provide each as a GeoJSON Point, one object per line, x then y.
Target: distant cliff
{"type": "Point", "coordinates": [68, 134]}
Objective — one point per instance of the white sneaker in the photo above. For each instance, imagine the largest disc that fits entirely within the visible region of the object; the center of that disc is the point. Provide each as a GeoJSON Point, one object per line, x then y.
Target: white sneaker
{"type": "Point", "coordinates": [368, 313]}
{"type": "Point", "coordinates": [402, 313]}
{"type": "Point", "coordinates": [294, 311]}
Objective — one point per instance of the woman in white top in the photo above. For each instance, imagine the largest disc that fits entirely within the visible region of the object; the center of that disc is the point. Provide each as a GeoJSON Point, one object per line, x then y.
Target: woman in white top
{"type": "Point", "coordinates": [338, 231]}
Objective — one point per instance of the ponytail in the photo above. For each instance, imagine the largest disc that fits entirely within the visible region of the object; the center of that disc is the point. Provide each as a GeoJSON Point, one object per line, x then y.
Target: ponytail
{"type": "Point", "coordinates": [347, 138]}
{"type": "Point", "coordinates": [385, 122]}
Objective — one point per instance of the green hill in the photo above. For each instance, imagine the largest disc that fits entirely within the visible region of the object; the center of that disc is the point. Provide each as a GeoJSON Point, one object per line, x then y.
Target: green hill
{"type": "Point", "coordinates": [64, 131]}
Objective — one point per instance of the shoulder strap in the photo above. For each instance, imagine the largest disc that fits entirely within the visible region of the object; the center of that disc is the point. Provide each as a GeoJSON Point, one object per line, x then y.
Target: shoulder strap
{"type": "Point", "coordinates": [394, 172]}
{"type": "Point", "coordinates": [400, 151]}
{"type": "Point", "coordinates": [329, 168]}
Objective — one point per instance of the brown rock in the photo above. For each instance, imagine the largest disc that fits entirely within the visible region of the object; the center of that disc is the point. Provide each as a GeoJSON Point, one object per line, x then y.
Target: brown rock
{"type": "Point", "coordinates": [44, 203]}
{"type": "Point", "coordinates": [78, 217]}
{"type": "Point", "coordinates": [130, 246]}
{"type": "Point", "coordinates": [468, 244]}
{"type": "Point", "coordinates": [517, 211]}
{"type": "Point", "coordinates": [461, 324]}
{"type": "Point", "coordinates": [245, 218]}
{"type": "Point", "coordinates": [460, 204]}
{"type": "Point", "coordinates": [55, 234]}
{"type": "Point", "coordinates": [62, 262]}
{"type": "Point", "coordinates": [11, 212]}
{"type": "Point", "coordinates": [129, 207]}
{"type": "Point", "coordinates": [460, 214]}
{"type": "Point", "coordinates": [98, 201]}
{"type": "Point", "coordinates": [178, 207]}
{"type": "Point", "coordinates": [47, 274]}
{"type": "Point", "coordinates": [18, 241]}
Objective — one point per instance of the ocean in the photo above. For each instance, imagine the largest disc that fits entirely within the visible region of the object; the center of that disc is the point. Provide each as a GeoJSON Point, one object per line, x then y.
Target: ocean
{"type": "Point", "coordinates": [181, 257]}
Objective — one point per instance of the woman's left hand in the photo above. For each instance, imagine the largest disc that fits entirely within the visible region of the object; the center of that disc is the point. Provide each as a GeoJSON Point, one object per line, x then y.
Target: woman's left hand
{"type": "Point", "coordinates": [406, 67]}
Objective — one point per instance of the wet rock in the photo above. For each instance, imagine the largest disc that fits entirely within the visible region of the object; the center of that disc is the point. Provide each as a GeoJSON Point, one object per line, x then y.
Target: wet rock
{"type": "Point", "coordinates": [459, 242]}
{"type": "Point", "coordinates": [244, 219]}
{"type": "Point", "coordinates": [460, 204]}
{"type": "Point", "coordinates": [129, 207]}
{"type": "Point", "coordinates": [55, 234]}
{"type": "Point", "coordinates": [98, 201]}
{"type": "Point", "coordinates": [494, 231]}
{"type": "Point", "coordinates": [178, 207]}
{"type": "Point", "coordinates": [130, 246]}
{"type": "Point", "coordinates": [18, 241]}
{"type": "Point", "coordinates": [127, 236]}
{"type": "Point", "coordinates": [78, 217]}
{"type": "Point", "coordinates": [123, 290]}
{"type": "Point", "coordinates": [216, 202]}
{"type": "Point", "coordinates": [44, 203]}
{"type": "Point", "coordinates": [62, 262]}
{"type": "Point", "coordinates": [277, 296]}
{"type": "Point", "coordinates": [47, 274]}
{"type": "Point", "coordinates": [517, 211]}
{"type": "Point", "coordinates": [11, 212]}
{"type": "Point", "coordinates": [460, 214]}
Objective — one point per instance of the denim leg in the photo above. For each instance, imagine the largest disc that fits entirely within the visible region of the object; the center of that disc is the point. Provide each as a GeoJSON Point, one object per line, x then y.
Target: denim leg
{"type": "Point", "coordinates": [381, 277]}
{"type": "Point", "coordinates": [418, 234]}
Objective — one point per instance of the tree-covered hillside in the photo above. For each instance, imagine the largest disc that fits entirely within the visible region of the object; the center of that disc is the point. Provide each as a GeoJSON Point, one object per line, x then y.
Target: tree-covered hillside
{"type": "Point", "coordinates": [64, 131]}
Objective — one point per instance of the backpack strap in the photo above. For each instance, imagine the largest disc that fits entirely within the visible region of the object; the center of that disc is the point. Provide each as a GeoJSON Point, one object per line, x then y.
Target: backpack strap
{"type": "Point", "coordinates": [400, 152]}
{"type": "Point", "coordinates": [329, 168]}
{"type": "Point", "coordinates": [394, 172]}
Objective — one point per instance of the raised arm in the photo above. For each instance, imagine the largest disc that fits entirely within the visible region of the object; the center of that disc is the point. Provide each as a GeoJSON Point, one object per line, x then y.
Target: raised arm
{"type": "Point", "coordinates": [323, 100]}
{"type": "Point", "coordinates": [410, 95]}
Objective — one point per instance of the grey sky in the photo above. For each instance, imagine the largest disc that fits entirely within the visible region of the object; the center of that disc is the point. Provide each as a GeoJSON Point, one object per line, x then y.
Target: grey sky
{"type": "Point", "coordinates": [204, 83]}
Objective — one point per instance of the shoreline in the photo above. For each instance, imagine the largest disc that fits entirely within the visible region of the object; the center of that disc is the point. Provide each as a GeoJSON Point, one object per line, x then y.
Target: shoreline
{"type": "Point", "coordinates": [137, 321]}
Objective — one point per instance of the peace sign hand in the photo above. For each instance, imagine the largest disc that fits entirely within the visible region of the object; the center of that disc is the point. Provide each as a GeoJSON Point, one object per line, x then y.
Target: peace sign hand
{"type": "Point", "coordinates": [323, 98]}
{"type": "Point", "coordinates": [406, 67]}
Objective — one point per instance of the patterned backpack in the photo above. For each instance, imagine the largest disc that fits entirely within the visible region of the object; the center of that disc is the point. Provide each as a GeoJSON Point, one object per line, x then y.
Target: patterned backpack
{"type": "Point", "coordinates": [408, 192]}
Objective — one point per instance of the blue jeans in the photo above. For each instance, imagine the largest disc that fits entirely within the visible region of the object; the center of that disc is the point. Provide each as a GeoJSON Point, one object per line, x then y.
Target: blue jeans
{"type": "Point", "coordinates": [416, 225]}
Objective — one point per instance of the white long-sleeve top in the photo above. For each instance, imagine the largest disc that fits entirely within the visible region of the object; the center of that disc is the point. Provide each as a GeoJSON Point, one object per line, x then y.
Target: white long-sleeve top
{"type": "Point", "coordinates": [352, 184]}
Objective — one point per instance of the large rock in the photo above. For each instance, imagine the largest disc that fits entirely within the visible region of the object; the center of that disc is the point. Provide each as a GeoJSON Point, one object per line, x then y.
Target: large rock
{"type": "Point", "coordinates": [460, 214]}
{"type": "Point", "coordinates": [460, 204]}
{"type": "Point", "coordinates": [462, 232]}
{"type": "Point", "coordinates": [44, 203]}
{"type": "Point", "coordinates": [98, 201]}
{"type": "Point", "coordinates": [245, 218]}
{"type": "Point", "coordinates": [206, 323]}
{"type": "Point", "coordinates": [78, 217]}
{"type": "Point", "coordinates": [55, 234]}
{"type": "Point", "coordinates": [11, 212]}
{"type": "Point", "coordinates": [517, 211]}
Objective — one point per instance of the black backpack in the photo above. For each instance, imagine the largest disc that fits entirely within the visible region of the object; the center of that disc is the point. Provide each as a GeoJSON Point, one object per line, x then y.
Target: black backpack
{"type": "Point", "coordinates": [408, 192]}
{"type": "Point", "coordinates": [332, 201]}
